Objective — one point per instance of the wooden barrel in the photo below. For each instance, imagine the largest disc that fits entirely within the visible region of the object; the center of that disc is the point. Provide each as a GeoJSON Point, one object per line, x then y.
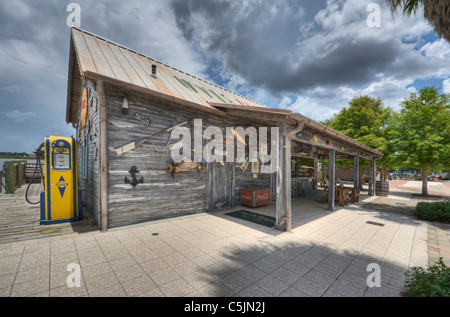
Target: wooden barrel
{"type": "Point", "coordinates": [382, 188]}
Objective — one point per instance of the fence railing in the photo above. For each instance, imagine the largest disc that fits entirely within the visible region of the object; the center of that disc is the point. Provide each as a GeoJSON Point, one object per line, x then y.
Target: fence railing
{"type": "Point", "coordinates": [14, 175]}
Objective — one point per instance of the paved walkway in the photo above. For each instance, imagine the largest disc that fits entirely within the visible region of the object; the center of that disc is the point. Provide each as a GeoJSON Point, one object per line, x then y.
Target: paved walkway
{"type": "Point", "coordinates": [328, 253]}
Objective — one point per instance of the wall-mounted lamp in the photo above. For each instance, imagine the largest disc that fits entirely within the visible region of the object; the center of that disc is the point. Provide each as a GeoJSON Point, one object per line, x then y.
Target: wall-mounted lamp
{"type": "Point", "coordinates": [125, 105]}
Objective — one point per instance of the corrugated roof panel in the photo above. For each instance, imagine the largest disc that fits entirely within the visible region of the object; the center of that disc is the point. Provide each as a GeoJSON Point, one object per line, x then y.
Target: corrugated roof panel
{"type": "Point", "coordinates": [132, 70]}
{"type": "Point", "coordinates": [119, 69]}
{"type": "Point", "coordinates": [144, 74]}
{"type": "Point", "coordinates": [146, 64]}
{"type": "Point", "coordinates": [100, 56]}
{"type": "Point", "coordinates": [102, 65]}
{"type": "Point", "coordinates": [84, 56]}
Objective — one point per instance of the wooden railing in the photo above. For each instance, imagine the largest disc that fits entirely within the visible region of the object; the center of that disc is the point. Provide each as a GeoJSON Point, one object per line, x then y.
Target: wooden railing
{"type": "Point", "coordinates": [14, 173]}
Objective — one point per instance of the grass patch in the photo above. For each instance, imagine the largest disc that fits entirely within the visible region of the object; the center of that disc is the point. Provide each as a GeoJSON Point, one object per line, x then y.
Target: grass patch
{"type": "Point", "coordinates": [432, 282]}
{"type": "Point", "coordinates": [435, 211]}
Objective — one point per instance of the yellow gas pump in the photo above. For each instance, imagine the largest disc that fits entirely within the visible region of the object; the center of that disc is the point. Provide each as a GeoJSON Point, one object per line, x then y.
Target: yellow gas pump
{"type": "Point", "coordinates": [61, 199]}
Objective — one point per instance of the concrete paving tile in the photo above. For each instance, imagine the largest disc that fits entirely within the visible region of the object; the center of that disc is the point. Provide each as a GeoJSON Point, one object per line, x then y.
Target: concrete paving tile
{"type": "Point", "coordinates": [218, 270]}
{"type": "Point", "coordinates": [92, 260]}
{"type": "Point", "coordinates": [254, 291]}
{"type": "Point", "coordinates": [311, 287]}
{"type": "Point", "coordinates": [177, 288]}
{"type": "Point", "coordinates": [332, 293]}
{"type": "Point", "coordinates": [129, 273]}
{"type": "Point", "coordinates": [164, 276]}
{"type": "Point", "coordinates": [186, 268]}
{"type": "Point", "coordinates": [5, 291]}
{"type": "Point", "coordinates": [293, 292]}
{"type": "Point", "coordinates": [139, 287]}
{"type": "Point", "coordinates": [215, 289]}
{"type": "Point", "coordinates": [96, 270]}
{"type": "Point", "coordinates": [286, 276]}
{"type": "Point", "coordinates": [297, 268]}
{"type": "Point", "coordinates": [35, 273]}
{"type": "Point", "coordinates": [121, 263]}
{"type": "Point", "coordinates": [30, 287]}
{"type": "Point", "coordinates": [7, 280]}
{"type": "Point", "coordinates": [153, 266]}
{"type": "Point", "coordinates": [266, 265]}
{"type": "Point", "coordinates": [116, 254]}
{"type": "Point", "coordinates": [68, 257]}
{"type": "Point", "coordinates": [204, 260]}
{"type": "Point", "coordinates": [272, 285]}
{"type": "Point", "coordinates": [199, 279]}
{"type": "Point", "coordinates": [115, 290]}
{"type": "Point", "coordinates": [11, 251]}
{"type": "Point", "coordinates": [346, 289]}
{"type": "Point", "coordinates": [382, 292]}
{"type": "Point", "coordinates": [329, 269]}
{"type": "Point", "coordinates": [65, 291]}
{"type": "Point", "coordinates": [235, 282]}
{"type": "Point", "coordinates": [251, 272]}
{"type": "Point", "coordinates": [101, 282]}
{"type": "Point", "coordinates": [174, 259]}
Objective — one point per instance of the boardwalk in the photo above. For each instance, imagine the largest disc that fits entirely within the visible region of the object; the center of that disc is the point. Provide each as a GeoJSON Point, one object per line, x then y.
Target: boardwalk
{"type": "Point", "coordinates": [19, 220]}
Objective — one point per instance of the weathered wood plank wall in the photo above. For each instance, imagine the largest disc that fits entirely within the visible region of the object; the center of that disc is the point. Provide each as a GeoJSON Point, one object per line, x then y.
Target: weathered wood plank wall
{"type": "Point", "coordinates": [160, 195]}
{"type": "Point", "coordinates": [89, 183]}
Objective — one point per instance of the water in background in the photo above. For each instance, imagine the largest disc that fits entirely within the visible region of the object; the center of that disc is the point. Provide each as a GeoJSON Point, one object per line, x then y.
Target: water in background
{"type": "Point", "coordinates": [3, 160]}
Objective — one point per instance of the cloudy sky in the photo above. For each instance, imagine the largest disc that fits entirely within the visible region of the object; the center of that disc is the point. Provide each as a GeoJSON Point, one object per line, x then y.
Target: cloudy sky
{"type": "Point", "coordinates": [310, 56]}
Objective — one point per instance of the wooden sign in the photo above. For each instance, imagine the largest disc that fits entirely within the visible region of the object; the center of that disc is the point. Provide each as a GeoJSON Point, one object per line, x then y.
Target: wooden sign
{"type": "Point", "coordinates": [84, 107]}
{"type": "Point", "coordinates": [142, 119]}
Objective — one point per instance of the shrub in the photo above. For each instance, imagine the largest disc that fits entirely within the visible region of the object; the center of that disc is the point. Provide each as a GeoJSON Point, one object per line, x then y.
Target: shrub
{"type": "Point", "coordinates": [438, 210]}
{"type": "Point", "coordinates": [432, 282]}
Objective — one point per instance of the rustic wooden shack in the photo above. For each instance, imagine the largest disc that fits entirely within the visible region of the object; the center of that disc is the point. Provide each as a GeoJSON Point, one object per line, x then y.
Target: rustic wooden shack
{"type": "Point", "coordinates": [118, 97]}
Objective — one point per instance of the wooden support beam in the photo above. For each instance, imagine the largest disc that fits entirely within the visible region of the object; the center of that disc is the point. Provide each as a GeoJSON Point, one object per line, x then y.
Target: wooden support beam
{"type": "Point", "coordinates": [280, 203]}
{"type": "Point", "coordinates": [371, 174]}
{"type": "Point", "coordinates": [356, 172]}
{"type": "Point", "coordinates": [331, 179]}
{"type": "Point", "coordinates": [103, 184]}
{"type": "Point", "coordinates": [316, 170]}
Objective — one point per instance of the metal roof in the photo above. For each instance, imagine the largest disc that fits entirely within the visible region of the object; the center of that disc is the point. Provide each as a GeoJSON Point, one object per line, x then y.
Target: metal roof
{"type": "Point", "coordinates": [94, 57]}
{"type": "Point", "coordinates": [99, 57]}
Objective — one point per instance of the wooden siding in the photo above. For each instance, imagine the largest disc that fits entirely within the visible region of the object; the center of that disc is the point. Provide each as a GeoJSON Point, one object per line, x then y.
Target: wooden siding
{"type": "Point", "coordinates": [90, 184]}
{"type": "Point", "coordinates": [160, 195]}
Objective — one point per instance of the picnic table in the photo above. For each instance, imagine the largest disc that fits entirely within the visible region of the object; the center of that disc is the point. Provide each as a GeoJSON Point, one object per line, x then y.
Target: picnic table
{"type": "Point", "coordinates": [344, 195]}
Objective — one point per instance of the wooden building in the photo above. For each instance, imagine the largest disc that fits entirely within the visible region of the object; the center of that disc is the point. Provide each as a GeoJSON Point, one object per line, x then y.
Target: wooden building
{"type": "Point", "coordinates": [117, 96]}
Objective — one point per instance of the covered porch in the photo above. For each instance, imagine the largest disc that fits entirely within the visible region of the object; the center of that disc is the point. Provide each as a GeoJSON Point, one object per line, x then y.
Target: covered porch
{"type": "Point", "coordinates": [302, 137]}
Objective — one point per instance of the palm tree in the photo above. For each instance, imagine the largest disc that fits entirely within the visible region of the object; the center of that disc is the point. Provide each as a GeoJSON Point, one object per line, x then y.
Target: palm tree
{"type": "Point", "coordinates": [437, 12]}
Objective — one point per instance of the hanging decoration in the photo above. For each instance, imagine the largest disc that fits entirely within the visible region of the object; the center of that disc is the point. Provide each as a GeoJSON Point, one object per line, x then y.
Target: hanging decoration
{"type": "Point", "coordinates": [84, 107]}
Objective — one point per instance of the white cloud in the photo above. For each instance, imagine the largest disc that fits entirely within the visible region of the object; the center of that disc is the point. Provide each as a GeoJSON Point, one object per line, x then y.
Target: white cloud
{"type": "Point", "coordinates": [18, 117]}
{"type": "Point", "coordinates": [446, 86]}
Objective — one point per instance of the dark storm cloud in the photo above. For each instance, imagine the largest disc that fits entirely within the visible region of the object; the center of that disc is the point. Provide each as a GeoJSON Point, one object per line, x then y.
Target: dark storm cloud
{"type": "Point", "coordinates": [293, 46]}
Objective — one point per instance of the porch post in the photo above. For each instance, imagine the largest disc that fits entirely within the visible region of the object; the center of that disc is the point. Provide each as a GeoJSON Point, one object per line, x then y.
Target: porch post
{"type": "Point", "coordinates": [331, 178]}
{"type": "Point", "coordinates": [316, 171]}
{"type": "Point", "coordinates": [280, 203]}
{"type": "Point", "coordinates": [371, 177]}
{"type": "Point", "coordinates": [356, 172]}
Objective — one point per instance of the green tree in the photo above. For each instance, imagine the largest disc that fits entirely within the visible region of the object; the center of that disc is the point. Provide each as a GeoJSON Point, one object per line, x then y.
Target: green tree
{"type": "Point", "coordinates": [367, 120]}
{"type": "Point", "coordinates": [436, 12]}
{"type": "Point", "coordinates": [421, 132]}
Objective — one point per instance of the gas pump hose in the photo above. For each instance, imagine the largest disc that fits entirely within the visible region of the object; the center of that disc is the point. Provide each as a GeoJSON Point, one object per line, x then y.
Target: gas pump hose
{"type": "Point", "coordinates": [38, 164]}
